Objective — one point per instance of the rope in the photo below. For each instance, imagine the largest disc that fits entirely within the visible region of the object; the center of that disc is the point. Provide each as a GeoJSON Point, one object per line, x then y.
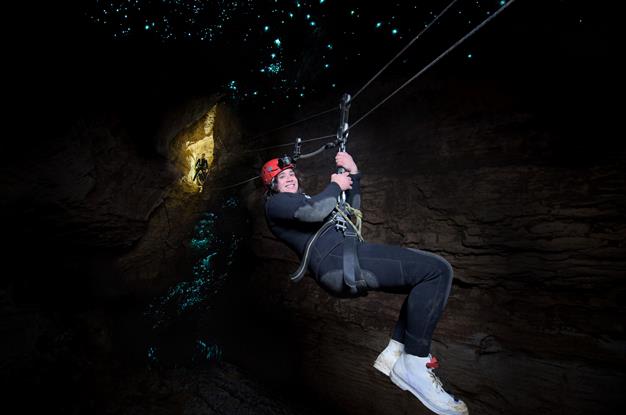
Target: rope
{"type": "Point", "coordinates": [294, 123]}
{"type": "Point", "coordinates": [319, 150]}
{"type": "Point", "coordinates": [403, 49]}
{"type": "Point", "coordinates": [233, 185]}
{"type": "Point", "coordinates": [353, 211]}
{"type": "Point", "coordinates": [458, 42]}
{"type": "Point", "coordinates": [289, 144]}
{"type": "Point", "coordinates": [281, 145]}
{"type": "Point", "coordinates": [356, 213]}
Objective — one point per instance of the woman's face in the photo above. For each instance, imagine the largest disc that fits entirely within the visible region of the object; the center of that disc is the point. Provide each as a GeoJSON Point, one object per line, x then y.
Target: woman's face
{"type": "Point", "coordinates": [286, 181]}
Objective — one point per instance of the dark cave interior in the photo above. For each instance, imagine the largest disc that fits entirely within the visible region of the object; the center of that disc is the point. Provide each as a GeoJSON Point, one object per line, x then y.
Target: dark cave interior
{"type": "Point", "coordinates": [126, 292]}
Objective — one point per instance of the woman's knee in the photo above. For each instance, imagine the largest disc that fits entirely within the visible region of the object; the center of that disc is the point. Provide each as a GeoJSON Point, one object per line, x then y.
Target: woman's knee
{"type": "Point", "coordinates": [442, 277]}
{"type": "Point", "coordinates": [446, 269]}
{"type": "Point", "coordinates": [442, 268]}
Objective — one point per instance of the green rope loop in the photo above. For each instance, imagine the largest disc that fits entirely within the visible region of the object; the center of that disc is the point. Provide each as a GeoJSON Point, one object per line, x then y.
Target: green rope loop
{"type": "Point", "coordinates": [357, 214]}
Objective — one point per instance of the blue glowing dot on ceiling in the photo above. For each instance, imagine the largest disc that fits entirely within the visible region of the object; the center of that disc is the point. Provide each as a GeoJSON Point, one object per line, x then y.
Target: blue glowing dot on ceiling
{"type": "Point", "coordinates": [273, 55]}
{"type": "Point", "coordinates": [329, 46]}
{"type": "Point", "coordinates": [502, 2]}
{"type": "Point", "coordinates": [266, 28]}
{"type": "Point", "coordinates": [321, 1]}
{"type": "Point", "coordinates": [277, 42]}
{"type": "Point", "coordinates": [274, 68]}
{"type": "Point", "coordinates": [469, 56]}
{"type": "Point", "coordinates": [378, 24]}
{"type": "Point", "coordinates": [394, 32]}
{"type": "Point", "coordinates": [147, 27]}
{"type": "Point", "coordinates": [312, 23]}
{"type": "Point", "coordinates": [308, 16]}
{"type": "Point", "coordinates": [326, 65]}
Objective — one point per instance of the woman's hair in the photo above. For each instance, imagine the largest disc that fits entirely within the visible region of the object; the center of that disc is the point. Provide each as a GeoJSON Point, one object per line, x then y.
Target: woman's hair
{"type": "Point", "coordinates": [271, 190]}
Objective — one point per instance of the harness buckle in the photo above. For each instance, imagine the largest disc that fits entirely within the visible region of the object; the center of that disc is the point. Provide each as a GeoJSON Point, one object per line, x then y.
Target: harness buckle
{"type": "Point", "coordinates": [340, 223]}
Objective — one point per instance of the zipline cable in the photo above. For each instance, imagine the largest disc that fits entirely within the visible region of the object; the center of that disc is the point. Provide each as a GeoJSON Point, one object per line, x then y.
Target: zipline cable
{"type": "Point", "coordinates": [289, 144]}
{"type": "Point", "coordinates": [359, 91]}
{"type": "Point", "coordinates": [458, 42]}
{"type": "Point", "coordinates": [367, 83]}
{"type": "Point", "coordinates": [304, 156]}
{"type": "Point", "coordinates": [233, 185]}
{"type": "Point", "coordinates": [319, 114]}
{"type": "Point", "coordinates": [403, 49]}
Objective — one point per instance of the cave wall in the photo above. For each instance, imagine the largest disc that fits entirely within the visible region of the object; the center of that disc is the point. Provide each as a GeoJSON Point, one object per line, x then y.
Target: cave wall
{"type": "Point", "coordinates": [101, 191]}
{"type": "Point", "coordinates": [98, 225]}
{"type": "Point", "coordinates": [532, 221]}
{"type": "Point", "coordinates": [527, 203]}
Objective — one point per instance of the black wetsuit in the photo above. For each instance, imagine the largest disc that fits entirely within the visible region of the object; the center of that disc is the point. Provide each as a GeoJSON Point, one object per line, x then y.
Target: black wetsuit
{"type": "Point", "coordinates": [426, 277]}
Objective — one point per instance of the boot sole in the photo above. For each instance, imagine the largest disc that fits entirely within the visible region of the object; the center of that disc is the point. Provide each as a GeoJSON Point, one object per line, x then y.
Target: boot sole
{"type": "Point", "coordinates": [382, 367]}
{"type": "Point", "coordinates": [406, 387]}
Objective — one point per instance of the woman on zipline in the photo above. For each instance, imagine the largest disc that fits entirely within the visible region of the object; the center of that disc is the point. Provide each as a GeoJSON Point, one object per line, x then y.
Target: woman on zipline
{"type": "Point", "coordinates": [294, 217]}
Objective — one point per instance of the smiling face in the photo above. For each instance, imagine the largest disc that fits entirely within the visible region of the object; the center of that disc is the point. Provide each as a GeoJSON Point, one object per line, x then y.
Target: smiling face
{"type": "Point", "coordinates": [286, 181]}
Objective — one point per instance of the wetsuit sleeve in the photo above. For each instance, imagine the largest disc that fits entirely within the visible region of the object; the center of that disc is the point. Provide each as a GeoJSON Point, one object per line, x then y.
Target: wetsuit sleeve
{"type": "Point", "coordinates": [353, 196]}
{"type": "Point", "coordinates": [296, 206]}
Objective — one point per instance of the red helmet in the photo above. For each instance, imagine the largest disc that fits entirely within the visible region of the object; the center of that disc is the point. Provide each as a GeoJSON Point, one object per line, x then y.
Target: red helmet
{"type": "Point", "coordinates": [273, 167]}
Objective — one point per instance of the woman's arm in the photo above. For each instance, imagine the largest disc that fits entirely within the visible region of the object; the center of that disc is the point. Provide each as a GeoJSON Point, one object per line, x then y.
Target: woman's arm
{"type": "Point", "coordinates": [296, 206]}
{"type": "Point", "coordinates": [353, 196]}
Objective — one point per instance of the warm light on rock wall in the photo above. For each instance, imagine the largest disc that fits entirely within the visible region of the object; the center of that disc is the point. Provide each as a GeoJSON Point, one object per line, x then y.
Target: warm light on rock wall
{"type": "Point", "coordinates": [200, 141]}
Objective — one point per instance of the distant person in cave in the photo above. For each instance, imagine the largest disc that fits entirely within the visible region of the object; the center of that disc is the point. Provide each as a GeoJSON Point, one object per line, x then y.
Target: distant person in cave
{"type": "Point", "coordinates": [202, 166]}
{"type": "Point", "coordinates": [294, 217]}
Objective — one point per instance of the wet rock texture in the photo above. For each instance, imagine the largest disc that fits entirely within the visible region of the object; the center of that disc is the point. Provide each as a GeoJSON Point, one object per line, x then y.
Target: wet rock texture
{"type": "Point", "coordinates": [101, 226]}
{"type": "Point", "coordinates": [528, 207]}
{"type": "Point", "coordinates": [534, 227]}
{"type": "Point", "coordinates": [223, 390]}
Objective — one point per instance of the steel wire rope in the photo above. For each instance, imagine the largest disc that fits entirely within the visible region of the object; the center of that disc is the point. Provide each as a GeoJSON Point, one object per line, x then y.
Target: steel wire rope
{"type": "Point", "coordinates": [403, 49]}
{"type": "Point", "coordinates": [362, 88]}
{"type": "Point", "coordinates": [457, 43]}
{"type": "Point", "coordinates": [319, 114]}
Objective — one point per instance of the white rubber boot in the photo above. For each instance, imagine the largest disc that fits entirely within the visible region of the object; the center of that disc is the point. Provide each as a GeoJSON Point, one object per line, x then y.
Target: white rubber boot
{"type": "Point", "coordinates": [415, 374]}
{"type": "Point", "coordinates": [387, 358]}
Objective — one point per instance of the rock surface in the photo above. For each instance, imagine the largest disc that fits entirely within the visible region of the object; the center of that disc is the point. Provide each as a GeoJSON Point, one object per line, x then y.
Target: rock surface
{"type": "Point", "coordinates": [534, 231]}
{"type": "Point", "coordinates": [530, 217]}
